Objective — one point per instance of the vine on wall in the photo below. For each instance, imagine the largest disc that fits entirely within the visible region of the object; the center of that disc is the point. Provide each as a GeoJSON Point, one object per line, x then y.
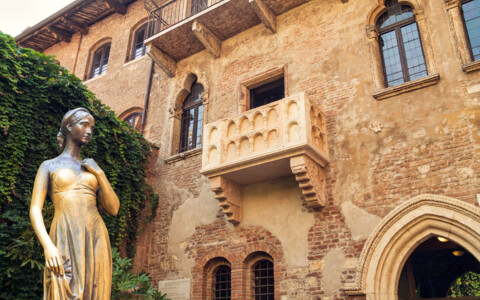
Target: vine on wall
{"type": "Point", "coordinates": [35, 93]}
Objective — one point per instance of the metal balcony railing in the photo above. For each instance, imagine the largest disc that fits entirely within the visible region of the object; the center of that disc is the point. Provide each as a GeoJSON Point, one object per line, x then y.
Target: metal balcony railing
{"type": "Point", "coordinates": [166, 13]}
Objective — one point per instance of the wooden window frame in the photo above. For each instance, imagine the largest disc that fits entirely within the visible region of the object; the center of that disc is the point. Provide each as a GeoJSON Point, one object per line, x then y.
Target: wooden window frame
{"type": "Point", "coordinates": [380, 90]}
{"type": "Point", "coordinates": [102, 51]}
{"type": "Point", "coordinates": [258, 80]}
{"type": "Point", "coordinates": [133, 49]}
{"type": "Point", "coordinates": [397, 27]}
{"type": "Point", "coordinates": [183, 147]}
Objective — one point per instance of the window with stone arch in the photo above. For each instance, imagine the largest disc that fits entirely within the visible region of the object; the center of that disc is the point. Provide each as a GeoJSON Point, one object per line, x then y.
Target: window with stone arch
{"type": "Point", "coordinates": [138, 48]}
{"type": "Point", "coordinates": [400, 44]}
{"type": "Point", "coordinates": [99, 62]}
{"type": "Point", "coordinates": [401, 50]}
{"type": "Point", "coordinates": [192, 119]}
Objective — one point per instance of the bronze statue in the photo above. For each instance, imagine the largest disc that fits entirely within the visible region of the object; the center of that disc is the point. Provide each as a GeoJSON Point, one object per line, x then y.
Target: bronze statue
{"type": "Point", "coordinates": [78, 262]}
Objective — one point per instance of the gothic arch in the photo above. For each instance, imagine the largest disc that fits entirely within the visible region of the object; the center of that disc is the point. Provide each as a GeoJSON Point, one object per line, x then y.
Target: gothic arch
{"type": "Point", "coordinates": [402, 230]}
{"type": "Point", "coordinates": [380, 8]}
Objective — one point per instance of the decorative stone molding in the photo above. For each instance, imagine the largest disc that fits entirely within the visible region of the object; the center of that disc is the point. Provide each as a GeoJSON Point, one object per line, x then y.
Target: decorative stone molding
{"type": "Point", "coordinates": [471, 66]}
{"type": "Point", "coordinates": [402, 230]}
{"type": "Point", "coordinates": [457, 29]}
{"type": "Point", "coordinates": [407, 87]}
{"type": "Point", "coordinates": [310, 179]}
{"type": "Point", "coordinates": [275, 140]}
{"type": "Point", "coordinates": [380, 92]}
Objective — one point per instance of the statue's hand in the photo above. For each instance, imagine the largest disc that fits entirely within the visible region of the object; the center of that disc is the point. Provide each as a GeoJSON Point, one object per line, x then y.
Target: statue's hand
{"type": "Point", "coordinates": [53, 260]}
{"type": "Point", "coordinates": [91, 166]}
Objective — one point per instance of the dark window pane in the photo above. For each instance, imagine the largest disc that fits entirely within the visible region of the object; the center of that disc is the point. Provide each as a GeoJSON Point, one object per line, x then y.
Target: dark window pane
{"type": "Point", "coordinates": [471, 15]}
{"type": "Point", "coordinates": [138, 45]}
{"type": "Point", "coordinates": [192, 119]}
{"type": "Point", "coordinates": [263, 280]}
{"type": "Point", "coordinates": [100, 61]}
{"type": "Point", "coordinates": [222, 286]}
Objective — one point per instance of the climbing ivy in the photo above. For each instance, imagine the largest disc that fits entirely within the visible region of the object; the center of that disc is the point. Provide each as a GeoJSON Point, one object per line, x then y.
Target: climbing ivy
{"type": "Point", "coordinates": [35, 93]}
{"type": "Point", "coordinates": [466, 285]}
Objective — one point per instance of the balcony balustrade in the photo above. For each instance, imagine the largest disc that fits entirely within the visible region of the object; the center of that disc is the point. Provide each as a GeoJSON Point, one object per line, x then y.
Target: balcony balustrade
{"type": "Point", "coordinates": [272, 141]}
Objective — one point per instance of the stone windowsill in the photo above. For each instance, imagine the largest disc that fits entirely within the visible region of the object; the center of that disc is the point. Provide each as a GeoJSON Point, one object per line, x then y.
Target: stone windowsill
{"type": "Point", "coordinates": [407, 87]}
{"type": "Point", "coordinates": [95, 78]}
{"type": "Point", "coordinates": [135, 60]}
{"type": "Point", "coordinates": [181, 156]}
{"type": "Point", "coordinates": [471, 66]}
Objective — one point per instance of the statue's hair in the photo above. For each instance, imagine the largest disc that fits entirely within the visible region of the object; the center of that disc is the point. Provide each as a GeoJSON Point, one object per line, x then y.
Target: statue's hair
{"type": "Point", "coordinates": [70, 118]}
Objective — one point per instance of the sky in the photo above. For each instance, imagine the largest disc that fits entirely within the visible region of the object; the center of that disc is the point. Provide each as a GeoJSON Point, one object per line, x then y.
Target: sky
{"type": "Point", "coordinates": [16, 15]}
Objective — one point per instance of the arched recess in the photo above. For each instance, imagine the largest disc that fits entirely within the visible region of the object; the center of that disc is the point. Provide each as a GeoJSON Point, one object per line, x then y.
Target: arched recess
{"type": "Point", "coordinates": [402, 230]}
{"type": "Point", "coordinates": [175, 110]}
{"type": "Point", "coordinates": [91, 52]}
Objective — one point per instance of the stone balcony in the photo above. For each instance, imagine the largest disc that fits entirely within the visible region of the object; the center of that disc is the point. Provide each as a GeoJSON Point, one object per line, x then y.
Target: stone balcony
{"type": "Point", "coordinates": [180, 30]}
{"type": "Point", "coordinates": [272, 141]}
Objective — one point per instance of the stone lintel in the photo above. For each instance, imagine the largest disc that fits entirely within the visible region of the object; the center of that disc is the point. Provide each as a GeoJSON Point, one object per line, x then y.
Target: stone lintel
{"type": "Point", "coordinates": [118, 6]}
{"type": "Point", "coordinates": [310, 178]}
{"type": "Point", "coordinates": [210, 41]}
{"type": "Point", "coordinates": [167, 64]}
{"type": "Point", "coordinates": [60, 34]}
{"type": "Point", "coordinates": [229, 195]}
{"type": "Point", "coordinates": [265, 14]}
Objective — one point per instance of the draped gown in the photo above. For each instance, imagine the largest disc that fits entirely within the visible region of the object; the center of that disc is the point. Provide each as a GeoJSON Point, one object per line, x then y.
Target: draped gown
{"type": "Point", "coordinates": [81, 237]}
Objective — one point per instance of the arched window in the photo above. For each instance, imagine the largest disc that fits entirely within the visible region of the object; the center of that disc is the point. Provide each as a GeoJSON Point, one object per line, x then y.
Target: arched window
{"type": "Point", "coordinates": [263, 281]}
{"type": "Point", "coordinates": [135, 120]}
{"type": "Point", "coordinates": [192, 119]}
{"type": "Point", "coordinates": [400, 45]}
{"type": "Point", "coordinates": [100, 60]}
{"type": "Point", "coordinates": [138, 47]}
{"type": "Point", "coordinates": [222, 283]}
{"type": "Point", "coordinates": [471, 17]}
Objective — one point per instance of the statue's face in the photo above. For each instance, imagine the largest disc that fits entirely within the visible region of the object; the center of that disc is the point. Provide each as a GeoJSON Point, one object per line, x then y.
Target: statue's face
{"type": "Point", "coordinates": [81, 132]}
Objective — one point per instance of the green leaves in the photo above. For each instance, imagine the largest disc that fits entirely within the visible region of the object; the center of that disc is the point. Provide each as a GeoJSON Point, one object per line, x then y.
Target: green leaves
{"type": "Point", "coordinates": [35, 93]}
{"type": "Point", "coordinates": [466, 285]}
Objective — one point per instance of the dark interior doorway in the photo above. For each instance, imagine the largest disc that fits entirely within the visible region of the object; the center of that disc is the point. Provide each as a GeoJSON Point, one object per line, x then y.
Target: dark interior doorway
{"type": "Point", "coordinates": [433, 268]}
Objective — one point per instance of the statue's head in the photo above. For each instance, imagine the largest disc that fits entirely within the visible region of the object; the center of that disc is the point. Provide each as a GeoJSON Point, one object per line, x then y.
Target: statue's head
{"type": "Point", "coordinates": [77, 125]}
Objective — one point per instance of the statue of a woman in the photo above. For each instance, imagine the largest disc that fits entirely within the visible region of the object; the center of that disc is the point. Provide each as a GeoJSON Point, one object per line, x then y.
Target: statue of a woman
{"type": "Point", "coordinates": [77, 251]}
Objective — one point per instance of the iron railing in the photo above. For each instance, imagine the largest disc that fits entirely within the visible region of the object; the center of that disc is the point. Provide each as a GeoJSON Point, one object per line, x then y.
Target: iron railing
{"type": "Point", "coordinates": [166, 13]}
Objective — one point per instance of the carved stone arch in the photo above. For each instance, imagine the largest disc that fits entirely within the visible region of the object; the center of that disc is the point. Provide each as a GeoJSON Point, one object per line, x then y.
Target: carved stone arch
{"type": "Point", "coordinates": [380, 89]}
{"type": "Point", "coordinates": [402, 230]}
{"type": "Point", "coordinates": [175, 110]}
{"type": "Point", "coordinates": [129, 111]}
{"type": "Point", "coordinates": [91, 52]}
{"type": "Point", "coordinates": [380, 8]}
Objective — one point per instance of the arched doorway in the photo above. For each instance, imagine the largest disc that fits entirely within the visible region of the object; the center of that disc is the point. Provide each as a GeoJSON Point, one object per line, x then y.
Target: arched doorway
{"type": "Point", "coordinates": [439, 268]}
{"type": "Point", "coordinates": [406, 229]}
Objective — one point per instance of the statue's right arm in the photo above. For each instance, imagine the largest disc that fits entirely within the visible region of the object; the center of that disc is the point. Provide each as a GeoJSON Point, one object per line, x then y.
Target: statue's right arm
{"type": "Point", "coordinates": [53, 260]}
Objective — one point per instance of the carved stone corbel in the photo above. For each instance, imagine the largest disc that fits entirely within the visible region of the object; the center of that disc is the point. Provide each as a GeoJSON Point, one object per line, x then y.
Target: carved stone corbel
{"type": "Point", "coordinates": [310, 178]}
{"type": "Point", "coordinates": [229, 195]}
{"type": "Point", "coordinates": [175, 112]}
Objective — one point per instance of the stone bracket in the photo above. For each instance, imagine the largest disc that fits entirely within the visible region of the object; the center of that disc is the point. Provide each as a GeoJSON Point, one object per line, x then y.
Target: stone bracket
{"type": "Point", "coordinates": [167, 64]}
{"type": "Point", "coordinates": [229, 195]}
{"type": "Point", "coordinates": [311, 180]}
{"type": "Point", "coordinates": [265, 14]}
{"type": "Point", "coordinates": [210, 41]}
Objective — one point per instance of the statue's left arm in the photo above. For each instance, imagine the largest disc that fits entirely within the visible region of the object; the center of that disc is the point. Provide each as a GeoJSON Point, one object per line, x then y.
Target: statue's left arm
{"type": "Point", "coordinates": [105, 195]}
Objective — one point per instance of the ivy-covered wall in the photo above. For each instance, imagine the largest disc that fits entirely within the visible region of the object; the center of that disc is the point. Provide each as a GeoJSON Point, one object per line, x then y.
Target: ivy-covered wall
{"type": "Point", "coordinates": [34, 95]}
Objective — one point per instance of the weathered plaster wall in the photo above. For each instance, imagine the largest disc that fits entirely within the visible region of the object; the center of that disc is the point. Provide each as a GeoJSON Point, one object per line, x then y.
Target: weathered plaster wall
{"type": "Point", "coordinates": [382, 152]}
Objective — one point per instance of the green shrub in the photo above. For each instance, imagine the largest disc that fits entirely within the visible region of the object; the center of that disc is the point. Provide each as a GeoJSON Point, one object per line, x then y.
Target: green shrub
{"type": "Point", "coordinates": [467, 285]}
{"type": "Point", "coordinates": [34, 95]}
